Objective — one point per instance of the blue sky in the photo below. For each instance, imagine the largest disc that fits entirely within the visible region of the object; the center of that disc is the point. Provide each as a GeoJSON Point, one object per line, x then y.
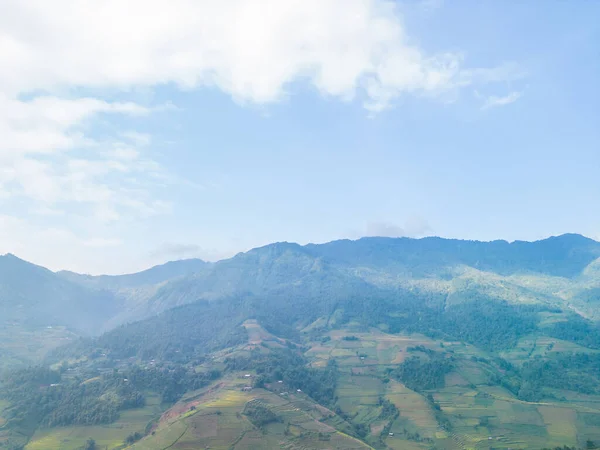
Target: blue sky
{"type": "Point", "coordinates": [196, 130]}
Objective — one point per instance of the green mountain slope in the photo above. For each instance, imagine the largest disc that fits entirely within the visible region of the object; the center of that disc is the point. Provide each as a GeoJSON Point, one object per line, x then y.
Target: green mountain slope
{"type": "Point", "coordinates": [562, 256]}
{"type": "Point", "coordinates": [377, 343]}
{"type": "Point", "coordinates": [420, 378]}
{"type": "Point", "coordinates": [559, 272]}
{"type": "Point", "coordinates": [556, 271]}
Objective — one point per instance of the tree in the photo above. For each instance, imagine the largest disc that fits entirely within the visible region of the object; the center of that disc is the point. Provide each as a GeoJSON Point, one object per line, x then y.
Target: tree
{"type": "Point", "coordinates": [133, 437]}
{"type": "Point", "coordinates": [90, 445]}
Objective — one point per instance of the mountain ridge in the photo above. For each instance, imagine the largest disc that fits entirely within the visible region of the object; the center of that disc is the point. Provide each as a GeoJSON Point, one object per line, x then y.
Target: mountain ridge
{"type": "Point", "coordinates": [557, 272]}
{"type": "Point", "coordinates": [155, 274]}
{"type": "Point", "coordinates": [290, 244]}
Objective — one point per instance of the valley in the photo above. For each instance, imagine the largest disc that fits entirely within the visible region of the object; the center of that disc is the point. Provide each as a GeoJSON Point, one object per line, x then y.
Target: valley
{"type": "Point", "coordinates": [372, 409]}
{"type": "Point", "coordinates": [372, 344]}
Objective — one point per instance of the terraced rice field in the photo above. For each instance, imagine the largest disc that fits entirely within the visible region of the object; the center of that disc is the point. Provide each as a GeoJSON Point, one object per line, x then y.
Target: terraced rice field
{"type": "Point", "coordinates": [482, 416]}
{"type": "Point", "coordinates": [218, 422]}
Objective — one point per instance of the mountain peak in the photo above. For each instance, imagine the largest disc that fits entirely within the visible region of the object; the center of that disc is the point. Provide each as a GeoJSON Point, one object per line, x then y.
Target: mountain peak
{"type": "Point", "coordinates": [12, 256]}
{"type": "Point", "coordinates": [571, 237]}
{"type": "Point", "coordinates": [278, 248]}
{"type": "Point", "coordinates": [11, 260]}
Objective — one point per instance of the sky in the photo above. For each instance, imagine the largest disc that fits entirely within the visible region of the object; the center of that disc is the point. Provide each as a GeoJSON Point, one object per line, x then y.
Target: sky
{"type": "Point", "coordinates": [136, 132]}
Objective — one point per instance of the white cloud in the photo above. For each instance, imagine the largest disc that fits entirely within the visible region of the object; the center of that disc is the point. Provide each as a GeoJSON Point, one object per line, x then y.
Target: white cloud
{"type": "Point", "coordinates": [46, 158]}
{"type": "Point", "coordinates": [251, 49]}
{"type": "Point", "coordinates": [177, 250]}
{"type": "Point", "coordinates": [495, 101]}
{"type": "Point", "coordinates": [413, 227]}
{"type": "Point", "coordinates": [53, 163]}
{"type": "Point", "coordinates": [383, 229]}
{"type": "Point", "coordinates": [508, 71]}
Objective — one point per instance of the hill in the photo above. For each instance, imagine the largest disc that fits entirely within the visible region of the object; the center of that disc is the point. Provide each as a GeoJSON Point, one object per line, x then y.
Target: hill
{"type": "Point", "coordinates": [506, 373]}
{"type": "Point", "coordinates": [134, 290]}
{"type": "Point", "coordinates": [560, 272]}
{"type": "Point", "coordinates": [557, 271]}
{"type": "Point", "coordinates": [376, 343]}
{"type": "Point", "coordinates": [35, 296]}
{"type": "Point", "coordinates": [154, 275]}
{"type": "Point", "coordinates": [40, 309]}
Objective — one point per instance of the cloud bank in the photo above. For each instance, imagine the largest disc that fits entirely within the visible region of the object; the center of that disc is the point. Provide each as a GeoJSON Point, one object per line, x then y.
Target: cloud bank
{"type": "Point", "coordinates": [250, 49]}
{"type": "Point", "coordinates": [414, 227]}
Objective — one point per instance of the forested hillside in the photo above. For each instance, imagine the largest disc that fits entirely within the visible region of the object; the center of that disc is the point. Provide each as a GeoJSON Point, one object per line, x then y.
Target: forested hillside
{"type": "Point", "coordinates": [382, 343]}
{"type": "Point", "coordinates": [559, 272]}
{"type": "Point", "coordinates": [555, 271]}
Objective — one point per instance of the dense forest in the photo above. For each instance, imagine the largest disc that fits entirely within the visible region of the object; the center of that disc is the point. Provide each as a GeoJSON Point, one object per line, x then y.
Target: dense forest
{"type": "Point", "coordinates": [577, 330]}
{"type": "Point", "coordinates": [51, 398]}
{"type": "Point", "coordinates": [421, 374]}
{"type": "Point", "coordinates": [182, 335]}
{"type": "Point", "coordinates": [291, 367]}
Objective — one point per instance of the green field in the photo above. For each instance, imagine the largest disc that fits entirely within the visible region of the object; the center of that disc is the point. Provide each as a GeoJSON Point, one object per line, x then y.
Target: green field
{"type": "Point", "coordinates": [106, 436]}
{"type": "Point", "coordinates": [469, 412]}
{"type": "Point", "coordinates": [481, 416]}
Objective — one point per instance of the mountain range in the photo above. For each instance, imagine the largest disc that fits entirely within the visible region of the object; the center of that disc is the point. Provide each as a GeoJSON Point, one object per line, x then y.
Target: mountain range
{"type": "Point", "coordinates": [386, 343]}
{"type": "Point", "coordinates": [559, 271]}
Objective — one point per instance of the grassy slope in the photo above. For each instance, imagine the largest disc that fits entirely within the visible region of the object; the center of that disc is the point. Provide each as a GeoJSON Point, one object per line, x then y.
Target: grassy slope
{"type": "Point", "coordinates": [110, 436]}
{"type": "Point", "coordinates": [476, 410]}
{"type": "Point", "coordinates": [217, 422]}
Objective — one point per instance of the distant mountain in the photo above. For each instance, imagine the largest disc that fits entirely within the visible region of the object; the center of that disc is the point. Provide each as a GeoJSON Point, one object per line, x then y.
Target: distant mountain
{"type": "Point", "coordinates": [40, 309]}
{"type": "Point", "coordinates": [564, 256]}
{"type": "Point", "coordinates": [35, 296]}
{"type": "Point", "coordinates": [518, 271]}
{"type": "Point", "coordinates": [492, 321]}
{"type": "Point", "coordinates": [154, 275]}
{"type": "Point", "coordinates": [555, 270]}
{"type": "Point", "coordinates": [134, 290]}
{"type": "Point", "coordinates": [558, 272]}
